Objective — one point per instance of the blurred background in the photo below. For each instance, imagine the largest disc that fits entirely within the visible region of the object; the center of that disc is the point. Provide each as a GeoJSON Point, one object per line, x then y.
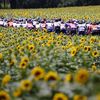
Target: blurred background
{"type": "Point", "coordinates": [19, 4]}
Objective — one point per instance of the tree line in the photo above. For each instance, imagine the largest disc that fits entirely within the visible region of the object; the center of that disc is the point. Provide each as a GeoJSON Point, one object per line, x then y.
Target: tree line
{"type": "Point", "coordinates": [47, 3]}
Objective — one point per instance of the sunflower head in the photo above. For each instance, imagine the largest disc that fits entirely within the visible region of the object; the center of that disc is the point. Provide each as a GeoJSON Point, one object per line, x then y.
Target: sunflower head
{"type": "Point", "coordinates": [81, 45]}
{"type": "Point", "coordinates": [21, 49]}
{"type": "Point", "coordinates": [18, 47]}
{"type": "Point", "coordinates": [82, 40]}
{"type": "Point", "coordinates": [38, 73]}
{"type": "Point", "coordinates": [95, 53]}
{"type": "Point", "coordinates": [94, 67]}
{"type": "Point", "coordinates": [23, 65]}
{"type": "Point", "coordinates": [92, 39]}
{"type": "Point", "coordinates": [26, 85]}
{"type": "Point", "coordinates": [60, 96]}
{"type": "Point", "coordinates": [51, 76]}
{"type": "Point", "coordinates": [98, 96]}
{"type": "Point", "coordinates": [80, 97]}
{"type": "Point", "coordinates": [87, 48]}
{"type": "Point", "coordinates": [82, 76]}
{"type": "Point", "coordinates": [69, 78]}
{"type": "Point", "coordinates": [1, 56]}
{"type": "Point", "coordinates": [31, 47]}
{"type": "Point", "coordinates": [12, 62]}
{"type": "Point", "coordinates": [4, 95]}
{"type": "Point", "coordinates": [73, 52]}
{"type": "Point", "coordinates": [25, 59]}
{"type": "Point", "coordinates": [17, 92]}
{"type": "Point", "coordinates": [6, 79]}
{"type": "Point", "coordinates": [70, 44]}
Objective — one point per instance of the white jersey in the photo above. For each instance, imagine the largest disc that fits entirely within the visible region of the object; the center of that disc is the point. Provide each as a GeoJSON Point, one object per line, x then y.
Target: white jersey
{"type": "Point", "coordinates": [16, 24]}
{"type": "Point", "coordinates": [98, 27]}
{"type": "Point", "coordinates": [37, 25]}
{"type": "Point", "coordinates": [88, 25]}
{"type": "Point", "coordinates": [62, 26]}
{"type": "Point", "coordinates": [49, 25]}
{"type": "Point", "coordinates": [29, 25]}
{"type": "Point", "coordinates": [24, 25]}
{"type": "Point", "coordinates": [56, 24]}
{"type": "Point", "coordinates": [1, 22]}
{"type": "Point", "coordinates": [81, 27]}
{"type": "Point", "coordinates": [59, 22]}
{"type": "Point", "coordinates": [5, 23]}
{"type": "Point", "coordinates": [42, 25]}
{"type": "Point", "coordinates": [73, 26]}
{"type": "Point", "coordinates": [34, 23]}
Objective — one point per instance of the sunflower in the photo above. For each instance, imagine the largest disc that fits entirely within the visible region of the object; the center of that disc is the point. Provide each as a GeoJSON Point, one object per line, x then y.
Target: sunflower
{"type": "Point", "coordinates": [1, 35]}
{"type": "Point", "coordinates": [51, 76]}
{"type": "Point", "coordinates": [70, 44]}
{"type": "Point", "coordinates": [23, 65]}
{"type": "Point", "coordinates": [17, 92]}
{"type": "Point", "coordinates": [94, 67]}
{"type": "Point", "coordinates": [98, 96]}
{"type": "Point", "coordinates": [38, 73]}
{"type": "Point", "coordinates": [69, 78]}
{"type": "Point", "coordinates": [12, 62]}
{"type": "Point", "coordinates": [80, 97]}
{"type": "Point", "coordinates": [82, 76]}
{"type": "Point", "coordinates": [97, 71]}
{"type": "Point", "coordinates": [95, 53]}
{"type": "Point", "coordinates": [60, 96]}
{"type": "Point", "coordinates": [24, 42]}
{"type": "Point", "coordinates": [73, 52]}
{"type": "Point", "coordinates": [6, 79]}
{"type": "Point", "coordinates": [1, 56]}
{"type": "Point", "coordinates": [92, 39]}
{"type": "Point", "coordinates": [48, 44]}
{"type": "Point", "coordinates": [82, 40]}
{"type": "Point", "coordinates": [42, 44]}
{"type": "Point", "coordinates": [77, 48]}
{"type": "Point", "coordinates": [31, 47]}
{"type": "Point", "coordinates": [64, 47]}
{"type": "Point", "coordinates": [36, 33]}
{"type": "Point", "coordinates": [44, 30]}
{"type": "Point", "coordinates": [4, 95]}
{"type": "Point", "coordinates": [26, 85]}
{"type": "Point", "coordinates": [25, 59]}
{"type": "Point", "coordinates": [42, 37]}
{"type": "Point", "coordinates": [18, 47]}
{"type": "Point", "coordinates": [87, 48]}
{"type": "Point", "coordinates": [21, 49]}
{"type": "Point", "coordinates": [59, 37]}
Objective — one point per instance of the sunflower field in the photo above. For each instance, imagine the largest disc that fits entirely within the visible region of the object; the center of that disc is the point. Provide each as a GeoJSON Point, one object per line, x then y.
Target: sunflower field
{"type": "Point", "coordinates": [88, 13]}
{"type": "Point", "coordinates": [36, 65]}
